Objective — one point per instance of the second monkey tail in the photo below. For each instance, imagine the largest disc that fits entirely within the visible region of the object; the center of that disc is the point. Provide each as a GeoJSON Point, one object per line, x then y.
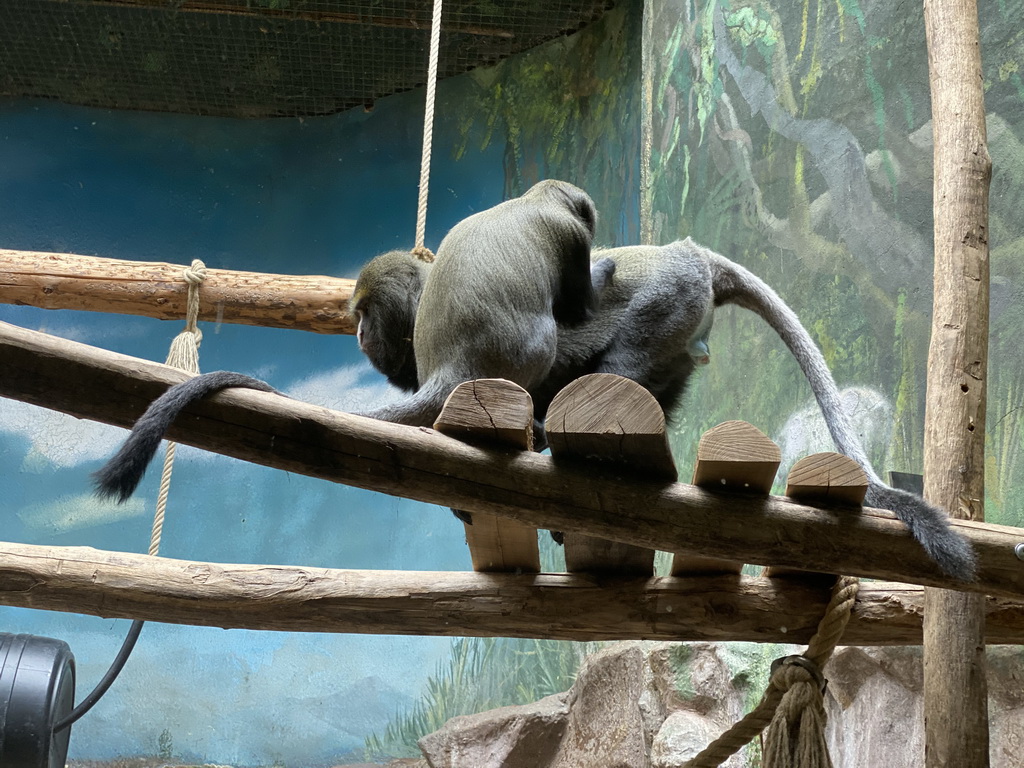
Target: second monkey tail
{"type": "Point", "coordinates": [928, 524]}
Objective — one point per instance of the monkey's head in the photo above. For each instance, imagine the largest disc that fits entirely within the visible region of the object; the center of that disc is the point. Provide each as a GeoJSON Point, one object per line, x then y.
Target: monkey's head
{"type": "Point", "coordinates": [572, 197]}
{"type": "Point", "coordinates": [384, 304]}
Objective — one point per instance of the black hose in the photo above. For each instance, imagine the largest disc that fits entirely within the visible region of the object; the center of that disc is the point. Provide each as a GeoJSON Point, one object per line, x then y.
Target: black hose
{"type": "Point", "coordinates": [108, 679]}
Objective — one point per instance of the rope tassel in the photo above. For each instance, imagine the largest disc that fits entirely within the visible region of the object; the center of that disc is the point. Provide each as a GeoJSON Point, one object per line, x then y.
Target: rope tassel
{"type": "Point", "coordinates": [796, 734]}
{"type": "Point", "coordinates": [793, 708]}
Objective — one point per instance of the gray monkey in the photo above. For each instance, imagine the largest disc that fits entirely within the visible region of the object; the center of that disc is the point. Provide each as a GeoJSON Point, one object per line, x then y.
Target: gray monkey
{"type": "Point", "coordinates": [654, 315]}
{"type": "Point", "coordinates": [490, 306]}
{"type": "Point", "coordinates": [653, 327]}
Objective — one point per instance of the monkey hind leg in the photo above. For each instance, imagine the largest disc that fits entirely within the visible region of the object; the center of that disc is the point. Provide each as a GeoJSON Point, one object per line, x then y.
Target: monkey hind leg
{"type": "Point", "coordinates": [120, 476]}
{"type": "Point", "coordinates": [930, 526]}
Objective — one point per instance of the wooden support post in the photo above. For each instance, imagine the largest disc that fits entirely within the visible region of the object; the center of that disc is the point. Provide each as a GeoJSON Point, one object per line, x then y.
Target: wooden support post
{"type": "Point", "coordinates": [494, 412]}
{"type": "Point", "coordinates": [614, 421]}
{"type": "Point", "coordinates": [956, 698]}
{"type": "Point", "coordinates": [734, 456]}
{"type": "Point", "coordinates": [824, 479]}
{"type": "Point", "coordinates": [156, 289]}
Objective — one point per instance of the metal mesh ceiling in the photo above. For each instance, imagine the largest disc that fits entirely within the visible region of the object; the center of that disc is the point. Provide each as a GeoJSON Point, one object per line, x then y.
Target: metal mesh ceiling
{"type": "Point", "coordinates": [258, 58]}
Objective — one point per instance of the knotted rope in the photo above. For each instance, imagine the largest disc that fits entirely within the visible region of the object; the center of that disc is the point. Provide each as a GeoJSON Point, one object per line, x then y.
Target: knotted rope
{"type": "Point", "coordinates": [184, 354]}
{"type": "Point", "coordinates": [421, 251]}
{"type": "Point", "coordinates": [792, 708]}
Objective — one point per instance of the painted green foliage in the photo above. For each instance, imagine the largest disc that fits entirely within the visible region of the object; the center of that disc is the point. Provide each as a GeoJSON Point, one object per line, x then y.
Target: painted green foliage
{"type": "Point", "coordinates": [796, 139]}
{"type": "Point", "coordinates": [570, 110]}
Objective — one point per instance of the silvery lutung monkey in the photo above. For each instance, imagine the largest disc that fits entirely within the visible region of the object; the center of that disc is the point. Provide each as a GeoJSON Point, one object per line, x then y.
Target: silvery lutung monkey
{"type": "Point", "coordinates": [490, 305]}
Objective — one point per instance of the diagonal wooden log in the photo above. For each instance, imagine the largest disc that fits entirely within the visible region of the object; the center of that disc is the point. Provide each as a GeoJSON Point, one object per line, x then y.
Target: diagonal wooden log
{"type": "Point", "coordinates": [617, 427]}
{"type": "Point", "coordinates": [498, 413]}
{"type": "Point", "coordinates": [419, 463]}
{"type": "Point", "coordinates": [156, 289]}
{"type": "Point", "coordinates": [558, 606]}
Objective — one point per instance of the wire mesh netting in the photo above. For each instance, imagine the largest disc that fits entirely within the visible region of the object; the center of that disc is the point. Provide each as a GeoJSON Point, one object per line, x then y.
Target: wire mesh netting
{"type": "Point", "coordinates": [258, 58]}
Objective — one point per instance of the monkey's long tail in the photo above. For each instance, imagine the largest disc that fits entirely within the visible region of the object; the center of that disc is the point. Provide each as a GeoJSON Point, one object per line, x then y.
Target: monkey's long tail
{"type": "Point", "coordinates": [419, 409]}
{"type": "Point", "coordinates": [928, 524]}
{"type": "Point", "coordinates": [120, 476]}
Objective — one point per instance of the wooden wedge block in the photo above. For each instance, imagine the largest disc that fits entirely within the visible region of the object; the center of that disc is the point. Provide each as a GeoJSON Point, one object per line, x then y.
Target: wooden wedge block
{"type": "Point", "coordinates": [823, 478]}
{"type": "Point", "coordinates": [493, 412]}
{"type": "Point", "coordinates": [734, 456]}
{"type": "Point", "coordinates": [613, 422]}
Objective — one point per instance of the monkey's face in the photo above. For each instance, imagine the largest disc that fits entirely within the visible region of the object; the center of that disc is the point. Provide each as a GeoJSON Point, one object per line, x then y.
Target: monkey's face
{"type": "Point", "coordinates": [384, 305]}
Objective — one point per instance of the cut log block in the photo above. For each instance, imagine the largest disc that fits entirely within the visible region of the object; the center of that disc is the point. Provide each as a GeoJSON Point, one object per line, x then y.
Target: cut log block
{"type": "Point", "coordinates": [616, 422]}
{"type": "Point", "coordinates": [734, 456]}
{"type": "Point", "coordinates": [823, 479]}
{"type": "Point", "coordinates": [827, 478]}
{"type": "Point", "coordinates": [494, 412]}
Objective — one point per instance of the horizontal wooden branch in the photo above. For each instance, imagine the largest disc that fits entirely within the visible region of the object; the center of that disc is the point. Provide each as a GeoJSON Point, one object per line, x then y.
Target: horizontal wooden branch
{"type": "Point", "coordinates": [548, 605]}
{"type": "Point", "coordinates": [421, 464]}
{"type": "Point", "coordinates": [155, 289]}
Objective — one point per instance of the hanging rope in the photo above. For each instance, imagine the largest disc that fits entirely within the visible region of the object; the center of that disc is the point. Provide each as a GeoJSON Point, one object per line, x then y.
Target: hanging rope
{"type": "Point", "coordinates": [184, 354]}
{"type": "Point", "coordinates": [420, 250]}
{"type": "Point", "coordinates": [792, 708]}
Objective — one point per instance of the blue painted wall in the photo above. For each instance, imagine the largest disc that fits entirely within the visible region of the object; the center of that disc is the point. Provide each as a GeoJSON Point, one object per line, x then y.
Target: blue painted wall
{"type": "Point", "coordinates": [316, 196]}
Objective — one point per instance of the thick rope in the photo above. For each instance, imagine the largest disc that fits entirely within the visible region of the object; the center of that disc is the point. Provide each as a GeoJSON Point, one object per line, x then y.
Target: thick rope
{"type": "Point", "coordinates": [428, 134]}
{"type": "Point", "coordinates": [792, 708]}
{"type": "Point", "coordinates": [184, 354]}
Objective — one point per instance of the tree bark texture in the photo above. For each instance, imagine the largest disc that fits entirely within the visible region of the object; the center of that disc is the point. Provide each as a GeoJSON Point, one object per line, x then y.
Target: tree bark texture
{"type": "Point", "coordinates": [155, 289]}
{"type": "Point", "coordinates": [561, 606]}
{"type": "Point", "coordinates": [956, 700]}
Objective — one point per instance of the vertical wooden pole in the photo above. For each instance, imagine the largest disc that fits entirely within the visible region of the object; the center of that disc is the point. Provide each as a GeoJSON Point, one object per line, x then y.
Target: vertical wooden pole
{"type": "Point", "coordinates": [956, 697]}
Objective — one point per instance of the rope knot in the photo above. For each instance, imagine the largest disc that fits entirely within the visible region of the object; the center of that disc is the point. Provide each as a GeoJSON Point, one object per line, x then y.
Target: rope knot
{"type": "Point", "coordinates": [196, 273]}
{"type": "Point", "coordinates": [787, 671]}
{"type": "Point", "coordinates": [424, 254]}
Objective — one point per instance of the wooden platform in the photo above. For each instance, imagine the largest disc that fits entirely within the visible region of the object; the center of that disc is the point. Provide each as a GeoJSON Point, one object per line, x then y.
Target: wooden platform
{"type": "Point", "coordinates": [609, 485]}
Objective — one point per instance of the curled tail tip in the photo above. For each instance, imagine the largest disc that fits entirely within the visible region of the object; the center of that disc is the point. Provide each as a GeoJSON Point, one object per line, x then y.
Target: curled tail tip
{"type": "Point", "coordinates": [962, 565]}
{"type": "Point", "coordinates": [109, 485]}
{"type": "Point", "coordinates": [929, 525]}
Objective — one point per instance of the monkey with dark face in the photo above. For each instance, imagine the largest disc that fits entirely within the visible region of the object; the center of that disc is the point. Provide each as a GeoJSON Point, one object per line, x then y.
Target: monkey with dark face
{"type": "Point", "coordinates": [495, 316]}
{"type": "Point", "coordinates": [384, 304]}
{"type": "Point", "coordinates": [653, 327]}
{"type": "Point", "coordinates": [504, 281]}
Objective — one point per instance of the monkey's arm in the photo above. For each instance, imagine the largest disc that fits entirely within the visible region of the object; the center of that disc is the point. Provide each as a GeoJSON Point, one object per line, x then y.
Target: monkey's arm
{"type": "Point", "coordinates": [120, 476]}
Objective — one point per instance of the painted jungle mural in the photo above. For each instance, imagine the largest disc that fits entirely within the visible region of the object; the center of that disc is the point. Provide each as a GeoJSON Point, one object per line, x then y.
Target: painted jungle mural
{"type": "Point", "coordinates": [796, 139]}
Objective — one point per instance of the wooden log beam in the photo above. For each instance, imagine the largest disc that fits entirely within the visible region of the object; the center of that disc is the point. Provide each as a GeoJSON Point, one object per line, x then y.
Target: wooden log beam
{"type": "Point", "coordinates": [956, 691]}
{"type": "Point", "coordinates": [421, 464]}
{"type": "Point", "coordinates": [155, 289]}
{"type": "Point", "coordinates": [549, 605]}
